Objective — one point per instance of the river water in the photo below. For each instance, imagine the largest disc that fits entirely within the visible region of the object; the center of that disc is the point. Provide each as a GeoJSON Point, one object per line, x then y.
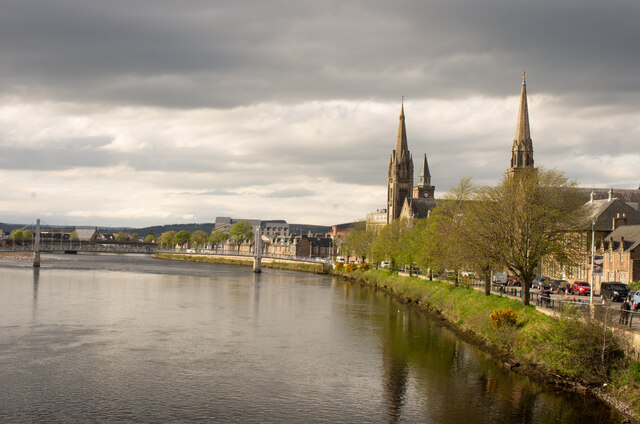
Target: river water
{"type": "Point", "coordinates": [99, 338]}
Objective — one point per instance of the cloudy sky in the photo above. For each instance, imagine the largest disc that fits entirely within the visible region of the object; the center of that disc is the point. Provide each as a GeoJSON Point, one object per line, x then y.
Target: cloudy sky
{"type": "Point", "coordinates": [144, 112]}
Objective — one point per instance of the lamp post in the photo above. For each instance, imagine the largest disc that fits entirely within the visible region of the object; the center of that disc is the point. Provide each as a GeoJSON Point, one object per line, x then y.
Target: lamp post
{"type": "Point", "coordinates": [593, 242]}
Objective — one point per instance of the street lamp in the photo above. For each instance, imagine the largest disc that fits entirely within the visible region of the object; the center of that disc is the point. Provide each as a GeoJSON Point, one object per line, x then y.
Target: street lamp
{"type": "Point", "coordinates": [593, 242]}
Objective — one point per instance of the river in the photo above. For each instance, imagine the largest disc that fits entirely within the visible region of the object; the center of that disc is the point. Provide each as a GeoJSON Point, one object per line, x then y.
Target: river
{"type": "Point", "coordinates": [117, 338]}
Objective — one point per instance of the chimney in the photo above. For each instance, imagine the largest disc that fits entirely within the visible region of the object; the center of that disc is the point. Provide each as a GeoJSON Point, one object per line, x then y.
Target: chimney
{"type": "Point", "coordinates": [619, 221]}
{"type": "Point", "coordinates": [610, 194]}
{"type": "Point", "coordinates": [592, 196]}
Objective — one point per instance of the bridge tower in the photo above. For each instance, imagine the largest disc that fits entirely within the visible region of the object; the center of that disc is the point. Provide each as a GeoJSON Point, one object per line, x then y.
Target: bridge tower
{"type": "Point", "coordinates": [257, 247]}
{"type": "Point", "coordinates": [36, 246]}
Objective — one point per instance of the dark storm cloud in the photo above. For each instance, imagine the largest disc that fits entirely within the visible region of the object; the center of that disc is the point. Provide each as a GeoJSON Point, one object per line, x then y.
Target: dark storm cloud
{"type": "Point", "coordinates": [223, 54]}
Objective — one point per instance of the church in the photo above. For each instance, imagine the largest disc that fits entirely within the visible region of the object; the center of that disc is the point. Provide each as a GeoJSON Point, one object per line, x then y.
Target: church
{"type": "Point", "coordinates": [404, 200]}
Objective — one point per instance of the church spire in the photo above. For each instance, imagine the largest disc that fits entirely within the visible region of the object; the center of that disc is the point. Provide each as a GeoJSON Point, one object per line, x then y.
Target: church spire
{"type": "Point", "coordinates": [523, 134]}
{"type": "Point", "coordinates": [522, 149]}
{"type": "Point", "coordinates": [424, 177]}
{"type": "Point", "coordinates": [401, 139]}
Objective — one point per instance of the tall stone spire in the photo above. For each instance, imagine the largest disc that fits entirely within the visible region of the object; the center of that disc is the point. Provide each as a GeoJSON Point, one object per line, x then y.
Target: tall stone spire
{"type": "Point", "coordinates": [401, 139]}
{"type": "Point", "coordinates": [400, 176]}
{"type": "Point", "coordinates": [522, 149]}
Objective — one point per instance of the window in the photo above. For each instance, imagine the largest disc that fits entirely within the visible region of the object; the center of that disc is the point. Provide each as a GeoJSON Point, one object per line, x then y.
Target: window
{"type": "Point", "coordinates": [621, 255]}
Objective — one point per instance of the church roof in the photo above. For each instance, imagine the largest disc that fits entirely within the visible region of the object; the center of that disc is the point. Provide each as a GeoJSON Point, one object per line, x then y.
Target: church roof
{"type": "Point", "coordinates": [604, 210]}
{"type": "Point", "coordinates": [523, 134]}
{"type": "Point", "coordinates": [628, 195]}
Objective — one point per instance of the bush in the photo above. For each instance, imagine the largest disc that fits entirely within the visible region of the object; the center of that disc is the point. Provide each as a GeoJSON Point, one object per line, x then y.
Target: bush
{"type": "Point", "coordinates": [350, 267]}
{"type": "Point", "coordinates": [504, 317]}
{"type": "Point", "coordinates": [339, 266]}
{"type": "Point", "coordinates": [364, 267]}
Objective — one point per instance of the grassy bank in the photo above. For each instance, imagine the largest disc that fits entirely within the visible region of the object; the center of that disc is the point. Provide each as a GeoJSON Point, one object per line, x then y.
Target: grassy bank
{"type": "Point", "coordinates": [290, 266]}
{"type": "Point", "coordinates": [565, 350]}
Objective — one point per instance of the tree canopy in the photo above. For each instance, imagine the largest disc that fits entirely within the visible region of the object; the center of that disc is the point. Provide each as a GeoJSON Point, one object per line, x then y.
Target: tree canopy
{"type": "Point", "coordinates": [240, 232]}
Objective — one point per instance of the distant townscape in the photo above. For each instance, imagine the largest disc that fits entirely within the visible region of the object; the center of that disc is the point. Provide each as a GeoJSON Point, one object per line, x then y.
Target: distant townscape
{"type": "Point", "coordinates": [613, 213]}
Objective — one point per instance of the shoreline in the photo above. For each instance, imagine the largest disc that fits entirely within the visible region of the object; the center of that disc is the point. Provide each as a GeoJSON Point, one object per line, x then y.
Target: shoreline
{"type": "Point", "coordinates": [314, 268]}
{"type": "Point", "coordinates": [530, 369]}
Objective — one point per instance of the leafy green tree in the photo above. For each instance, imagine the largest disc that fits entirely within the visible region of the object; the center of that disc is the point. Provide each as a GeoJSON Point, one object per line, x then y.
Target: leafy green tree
{"type": "Point", "coordinates": [27, 235]}
{"type": "Point", "coordinates": [523, 219]}
{"type": "Point", "coordinates": [167, 239]}
{"type": "Point", "coordinates": [73, 235]}
{"type": "Point", "coordinates": [134, 237]}
{"type": "Point", "coordinates": [388, 242]}
{"type": "Point", "coordinates": [218, 237]}
{"type": "Point", "coordinates": [16, 236]}
{"type": "Point", "coordinates": [358, 241]}
{"type": "Point", "coordinates": [149, 238]}
{"type": "Point", "coordinates": [120, 236]}
{"type": "Point", "coordinates": [183, 237]}
{"type": "Point", "coordinates": [239, 233]}
{"type": "Point", "coordinates": [198, 238]}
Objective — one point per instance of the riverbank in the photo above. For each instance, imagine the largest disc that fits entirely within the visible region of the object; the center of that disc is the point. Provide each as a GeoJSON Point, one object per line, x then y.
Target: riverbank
{"type": "Point", "coordinates": [21, 256]}
{"type": "Point", "coordinates": [224, 260]}
{"type": "Point", "coordinates": [562, 351]}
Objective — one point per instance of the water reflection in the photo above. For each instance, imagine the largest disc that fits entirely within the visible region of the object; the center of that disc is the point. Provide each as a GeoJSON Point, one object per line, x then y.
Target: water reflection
{"type": "Point", "coordinates": [36, 281]}
{"type": "Point", "coordinates": [228, 345]}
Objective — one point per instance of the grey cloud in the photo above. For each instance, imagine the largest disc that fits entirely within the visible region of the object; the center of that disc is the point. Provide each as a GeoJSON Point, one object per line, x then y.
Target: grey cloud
{"type": "Point", "coordinates": [203, 54]}
{"type": "Point", "coordinates": [297, 192]}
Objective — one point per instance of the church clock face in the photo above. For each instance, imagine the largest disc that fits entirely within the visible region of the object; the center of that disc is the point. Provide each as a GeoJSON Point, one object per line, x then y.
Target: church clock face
{"type": "Point", "coordinates": [426, 195]}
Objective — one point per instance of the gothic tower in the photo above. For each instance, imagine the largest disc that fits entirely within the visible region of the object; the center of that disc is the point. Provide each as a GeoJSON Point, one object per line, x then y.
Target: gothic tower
{"type": "Point", "coordinates": [522, 150]}
{"type": "Point", "coordinates": [400, 179]}
{"type": "Point", "coordinates": [424, 189]}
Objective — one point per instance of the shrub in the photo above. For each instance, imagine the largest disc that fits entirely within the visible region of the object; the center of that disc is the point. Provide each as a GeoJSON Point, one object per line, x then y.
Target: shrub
{"type": "Point", "coordinates": [503, 317]}
{"type": "Point", "coordinates": [350, 267]}
{"type": "Point", "coordinates": [364, 267]}
{"type": "Point", "coordinates": [339, 266]}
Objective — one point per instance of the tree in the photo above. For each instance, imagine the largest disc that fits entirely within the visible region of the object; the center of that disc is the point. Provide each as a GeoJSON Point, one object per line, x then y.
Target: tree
{"type": "Point", "coordinates": [198, 238]}
{"type": "Point", "coordinates": [239, 233]}
{"type": "Point", "coordinates": [16, 236]}
{"type": "Point", "coordinates": [388, 245]}
{"type": "Point", "coordinates": [218, 237]}
{"type": "Point", "coordinates": [167, 239]}
{"type": "Point", "coordinates": [523, 219]}
{"type": "Point", "coordinates": [183, 237]}
{"type": "Point", "coordinates": [73, 235]}
{"type": "Point", "coordinates": [358, 241]}
{"type": "Point", "coordinates": [134, 237]}
{"type": "Point", "coordinates": [149, 238]}
{"type": "Point", "coordinates": [27, 235]}
{"type": "Point", "coordinates": [120, 236]}
{"type": "Point", "coordinates": [444, 244]}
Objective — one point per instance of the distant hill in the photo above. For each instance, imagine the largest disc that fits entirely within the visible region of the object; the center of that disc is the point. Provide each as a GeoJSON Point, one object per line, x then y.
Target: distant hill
{"type": "Point", "coordinates": [156, 230]}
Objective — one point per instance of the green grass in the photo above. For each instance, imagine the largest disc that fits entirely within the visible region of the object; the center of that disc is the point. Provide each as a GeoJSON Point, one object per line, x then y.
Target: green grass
{"type": "Point", "coordinates": [291, 266]}
{"type": "Point", "coordinates": [548, 344]}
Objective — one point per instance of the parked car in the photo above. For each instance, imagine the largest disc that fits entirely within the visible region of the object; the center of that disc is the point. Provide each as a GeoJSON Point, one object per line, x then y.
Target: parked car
{"type": "Point", "coordinates": [513, 281]}
{"type": "Point", "coordinates": [540, 282]}
{"type": "Point", "coordinates": [581, 287]}
{"type": "Point", "coordinates": [636, 297]}
{"type": "Point", "coordinates": [385, 264]}
{"type": "Point", "coordinates": [614, 290]}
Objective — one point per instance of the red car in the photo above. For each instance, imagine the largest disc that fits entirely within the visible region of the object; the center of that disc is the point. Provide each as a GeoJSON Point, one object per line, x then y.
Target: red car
{"type": "Point", "coordinates": [581, 287]}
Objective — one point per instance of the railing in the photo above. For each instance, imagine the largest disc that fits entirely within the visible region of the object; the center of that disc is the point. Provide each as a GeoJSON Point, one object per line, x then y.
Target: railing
{"type": "Point", "coordinates": [146, 248]}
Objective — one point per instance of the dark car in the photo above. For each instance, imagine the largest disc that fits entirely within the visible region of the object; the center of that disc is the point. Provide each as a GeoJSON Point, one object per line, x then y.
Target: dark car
{"type": "Point", "coordinates": [581, 287]}
{"type": "Point", "coordinates": [614, 291]}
